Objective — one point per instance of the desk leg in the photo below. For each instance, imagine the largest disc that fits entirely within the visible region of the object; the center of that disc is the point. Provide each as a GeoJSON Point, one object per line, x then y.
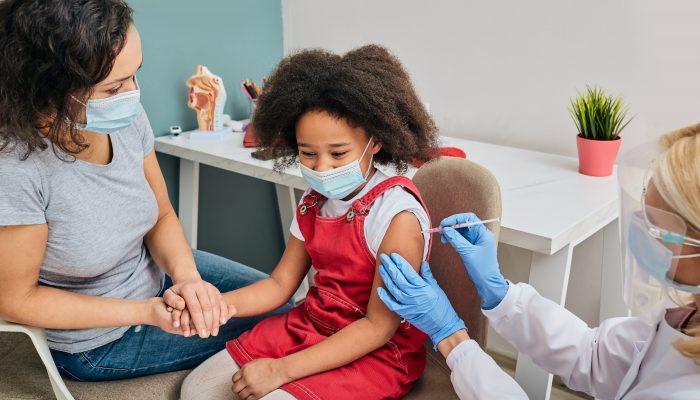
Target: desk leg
{"type": "Point", "coordinates": [611, 302]}
{"type": "Point", "coordinates": [550, 276]}
{"type": "Point", "coordinates": [188, 209]}
{"type": "Point", "coordinates": [287, 204]}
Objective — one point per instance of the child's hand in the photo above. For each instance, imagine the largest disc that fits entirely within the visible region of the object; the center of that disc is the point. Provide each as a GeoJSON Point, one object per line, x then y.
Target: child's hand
{"type": "Point", "coordinates": [181, 319]}
{"type": "Point", "coordinates": [159, 314]}
{"type": "Point", "coordinates": [174, 300]}
{"type": "Point", "coordinates": [259, 377]}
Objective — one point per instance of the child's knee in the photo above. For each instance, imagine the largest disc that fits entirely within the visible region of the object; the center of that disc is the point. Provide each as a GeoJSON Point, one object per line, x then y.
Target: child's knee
{"type": "Point", "coordinates": [211, 380]}
{"type": "Point", "coordinates": [199, 386]}
{"type": "Point", "coordinates": [186, 389]}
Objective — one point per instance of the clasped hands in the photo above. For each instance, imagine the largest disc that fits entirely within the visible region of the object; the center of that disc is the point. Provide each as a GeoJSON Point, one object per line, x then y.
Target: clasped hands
{"type": "Point", "coordinates": [191, 307]}
{"type": "Point", "coordinates": [196, 307]}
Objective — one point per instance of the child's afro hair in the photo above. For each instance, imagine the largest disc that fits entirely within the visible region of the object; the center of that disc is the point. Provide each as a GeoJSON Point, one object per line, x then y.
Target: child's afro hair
{"type": "Point", "coordinates": [367, 87]}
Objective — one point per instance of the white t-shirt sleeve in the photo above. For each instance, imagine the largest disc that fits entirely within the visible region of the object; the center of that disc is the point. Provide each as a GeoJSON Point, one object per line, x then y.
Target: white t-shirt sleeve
{"type": "Point", "coordinates": [294, 227]}
{"type": "Point", "coordinates": [385, 208]}
{"type": "Point", "coordinates": [22, 200]}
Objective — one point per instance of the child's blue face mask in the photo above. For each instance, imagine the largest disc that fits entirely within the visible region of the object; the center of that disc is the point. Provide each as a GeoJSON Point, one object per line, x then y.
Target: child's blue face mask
{"type": "Point", "coordinates": [111, 114]}
{"type": "Point", "coordinates": [339, 182]}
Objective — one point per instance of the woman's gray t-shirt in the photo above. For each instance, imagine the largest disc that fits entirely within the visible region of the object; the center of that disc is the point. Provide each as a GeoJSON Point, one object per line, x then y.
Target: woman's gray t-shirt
{"type": "Point", "coordinates": [97, 217]}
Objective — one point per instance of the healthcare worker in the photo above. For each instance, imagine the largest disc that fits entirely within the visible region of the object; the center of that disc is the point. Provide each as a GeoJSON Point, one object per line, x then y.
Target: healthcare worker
{"type": "Point", "coordinates": [652, 355]}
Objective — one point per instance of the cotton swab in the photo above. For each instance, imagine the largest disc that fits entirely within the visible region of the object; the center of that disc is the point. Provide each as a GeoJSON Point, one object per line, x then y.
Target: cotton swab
{"type": "Point", "coordinates": [464, 225]}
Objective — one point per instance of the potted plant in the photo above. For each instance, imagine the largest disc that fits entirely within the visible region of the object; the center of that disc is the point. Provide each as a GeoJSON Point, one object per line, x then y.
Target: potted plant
{"type": "Point", "coordinates": [599, 119]}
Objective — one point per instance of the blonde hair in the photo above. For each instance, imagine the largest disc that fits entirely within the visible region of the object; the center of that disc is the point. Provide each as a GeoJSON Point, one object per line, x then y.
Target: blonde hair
{"type": "Point", "coordinates": [677, 178]}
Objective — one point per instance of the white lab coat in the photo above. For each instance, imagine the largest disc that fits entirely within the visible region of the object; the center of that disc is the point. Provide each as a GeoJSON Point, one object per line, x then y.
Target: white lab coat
{"type": "Point", "coordinates": [625, 358]}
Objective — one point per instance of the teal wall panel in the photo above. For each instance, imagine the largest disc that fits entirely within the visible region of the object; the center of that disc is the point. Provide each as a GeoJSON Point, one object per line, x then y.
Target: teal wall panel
{"type": "Point", "coordinates": [235, 39]}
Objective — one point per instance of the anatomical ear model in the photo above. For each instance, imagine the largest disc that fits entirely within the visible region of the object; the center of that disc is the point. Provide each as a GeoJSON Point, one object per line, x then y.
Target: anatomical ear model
{"type": "Point", "coordinates": [207, 96]}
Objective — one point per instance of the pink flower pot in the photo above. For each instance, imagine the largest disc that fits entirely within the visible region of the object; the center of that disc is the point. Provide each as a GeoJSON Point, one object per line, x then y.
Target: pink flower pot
{"type": "Point", "coordinates": [597, 157]}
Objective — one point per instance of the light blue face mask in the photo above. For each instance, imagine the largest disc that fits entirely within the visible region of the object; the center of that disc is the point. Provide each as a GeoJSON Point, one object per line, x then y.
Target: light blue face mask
{"type": "Point", "coordinates": [652, 256]}
{"type": "Point", "coordinates": [339, 182]}
{"type": "Point", "coordinates": [111, 114]}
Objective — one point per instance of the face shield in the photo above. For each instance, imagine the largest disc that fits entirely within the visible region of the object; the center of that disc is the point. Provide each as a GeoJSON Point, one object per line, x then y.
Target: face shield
{"type": "Point", "coordinates": [653, 236]}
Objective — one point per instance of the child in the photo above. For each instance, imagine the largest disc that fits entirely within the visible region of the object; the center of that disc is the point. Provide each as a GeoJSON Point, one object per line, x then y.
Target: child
{"type": "Point", "coordinates": [335, 115]}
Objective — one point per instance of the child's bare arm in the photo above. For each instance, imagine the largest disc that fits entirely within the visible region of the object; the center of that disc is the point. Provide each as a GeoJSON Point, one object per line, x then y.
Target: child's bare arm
{"type": "Point", "coordinates": [378, 326]}
{"type": "Point", "coordinates": [270, 293]}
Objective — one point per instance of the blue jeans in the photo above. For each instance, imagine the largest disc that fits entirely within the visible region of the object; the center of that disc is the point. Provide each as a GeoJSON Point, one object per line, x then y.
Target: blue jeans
{"type": "Point", "coordinates": [147, 350]}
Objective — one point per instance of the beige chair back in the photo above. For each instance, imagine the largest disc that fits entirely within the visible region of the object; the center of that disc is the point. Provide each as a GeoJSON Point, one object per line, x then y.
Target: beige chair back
{"type": "Point", "coordinates": [450, 186]}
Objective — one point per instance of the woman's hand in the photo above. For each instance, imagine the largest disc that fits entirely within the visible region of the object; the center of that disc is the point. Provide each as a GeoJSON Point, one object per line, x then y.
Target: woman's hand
{"type": "Point", "coordinates": [204, 302]}
{"type": "Point", "coordinates": [259, 377]}
{"type": "Point", "coordinates": [183, 320]}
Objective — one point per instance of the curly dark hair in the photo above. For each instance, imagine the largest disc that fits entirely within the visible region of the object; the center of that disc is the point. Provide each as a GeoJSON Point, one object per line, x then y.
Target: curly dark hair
{"type": "Point", "coordinates": [48, 51]}
{"type": "Point", "coordinates": [367, 87]}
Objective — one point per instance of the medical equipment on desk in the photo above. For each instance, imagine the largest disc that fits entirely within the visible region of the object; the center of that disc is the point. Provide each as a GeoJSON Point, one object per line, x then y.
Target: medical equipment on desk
{"type": "Point", "coordinates": [207, 96]}
{"type": "Point", "coordinates": [463, 225]}
{"type": "Point", "coordinates": [236, 125]}
{"type": "Point", "coordinates": [175, 131]}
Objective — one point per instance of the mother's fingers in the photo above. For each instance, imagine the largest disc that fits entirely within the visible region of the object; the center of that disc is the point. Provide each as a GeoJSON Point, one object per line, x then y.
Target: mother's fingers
{"type": "Point", "coordinates": [173, 300]}
{"type": "Point", "coordinates": [185, 323]}
{"type": "Point", "coordinates": [195, 309]}
{"type": "Point", "coordinates": [225, 315]}
{"type": "Point", "coordinates": [207, 310]}
{"type": "Point", "coordinates": [215, 310]}
{"type": "Point", "coordinates": [175, 316]}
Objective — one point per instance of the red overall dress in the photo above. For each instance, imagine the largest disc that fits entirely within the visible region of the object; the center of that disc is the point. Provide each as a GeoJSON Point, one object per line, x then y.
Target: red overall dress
{"type": "Point", "coordinates": [346, 268]}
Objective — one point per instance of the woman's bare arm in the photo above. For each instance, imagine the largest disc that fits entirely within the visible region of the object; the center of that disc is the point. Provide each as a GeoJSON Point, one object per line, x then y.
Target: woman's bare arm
{"type": "Point", "coordinates": [24, 301]}
{"type": "Point", "coordinates": [166, 240]}
{"type": "Point", "coordinates": [167, 245]}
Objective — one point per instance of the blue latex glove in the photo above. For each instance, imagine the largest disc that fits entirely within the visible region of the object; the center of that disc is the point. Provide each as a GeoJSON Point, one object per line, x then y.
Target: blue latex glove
{"type": "Point", "coordinates": [477, 248]}
{"type": "Point", "coordinates": [417, 298]}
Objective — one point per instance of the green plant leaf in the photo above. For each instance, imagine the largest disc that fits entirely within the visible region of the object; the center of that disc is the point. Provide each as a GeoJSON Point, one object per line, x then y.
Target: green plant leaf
{"type": "Point", "coordinates": [598, 116]}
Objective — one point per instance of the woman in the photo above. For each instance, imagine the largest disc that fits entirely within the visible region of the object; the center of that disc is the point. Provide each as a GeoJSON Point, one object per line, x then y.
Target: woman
{"type": "Point", "coordinates": [653, 355]}
{"type": "Point", "coordinates": [88, 237]}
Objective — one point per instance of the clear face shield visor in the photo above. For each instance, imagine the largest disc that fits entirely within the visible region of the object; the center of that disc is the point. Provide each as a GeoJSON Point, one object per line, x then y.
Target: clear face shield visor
{"type": "Point", "coordinates": [654, 240]}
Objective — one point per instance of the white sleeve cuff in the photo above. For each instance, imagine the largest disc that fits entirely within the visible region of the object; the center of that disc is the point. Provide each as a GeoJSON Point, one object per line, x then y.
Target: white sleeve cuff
{"type": "Point", "coordinates": [460, 351]}
{"type": "Point", "coordinates": [508, 305]}
{"type": "Point", "coordinates": [475, 375]}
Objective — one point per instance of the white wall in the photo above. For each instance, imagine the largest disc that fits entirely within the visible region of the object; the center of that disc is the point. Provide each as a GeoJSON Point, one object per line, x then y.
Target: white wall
{"type": "Point", "coordinates": [502, 71]}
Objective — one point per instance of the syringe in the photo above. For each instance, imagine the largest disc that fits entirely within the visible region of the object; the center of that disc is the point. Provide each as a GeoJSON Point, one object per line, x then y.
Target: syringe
{"type": "Point", "coordinates": [463, 225]}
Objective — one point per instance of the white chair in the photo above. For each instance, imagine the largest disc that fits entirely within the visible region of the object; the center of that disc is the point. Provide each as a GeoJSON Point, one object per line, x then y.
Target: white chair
{"type": "Point", "coordinates": [39, 340]}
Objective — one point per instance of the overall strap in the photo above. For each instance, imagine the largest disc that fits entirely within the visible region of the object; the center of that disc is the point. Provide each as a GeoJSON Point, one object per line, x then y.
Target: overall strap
{"type": "Point", "coordinates": [310, 200]}
{"type": "Point", "coordinates": [363, 204]}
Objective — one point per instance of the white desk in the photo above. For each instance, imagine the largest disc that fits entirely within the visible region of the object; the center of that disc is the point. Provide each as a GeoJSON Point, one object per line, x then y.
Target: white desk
{"type": "Point", "coordinates": [548, 208]}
